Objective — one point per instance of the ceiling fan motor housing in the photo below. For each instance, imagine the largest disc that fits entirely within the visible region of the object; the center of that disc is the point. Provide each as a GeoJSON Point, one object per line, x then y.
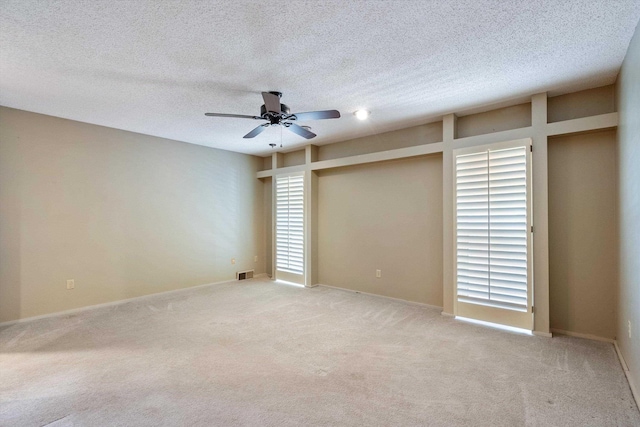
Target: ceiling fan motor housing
{"type": "Point", "coordinates": [274, 118]}
{"type": "Point", "coordinates": [284, 109]}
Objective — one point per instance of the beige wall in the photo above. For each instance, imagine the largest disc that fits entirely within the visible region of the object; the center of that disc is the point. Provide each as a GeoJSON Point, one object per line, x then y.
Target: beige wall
{"type": "Point", "coordinates": [385, 216]}
{"type": "Point", "coordinates": [293, 158]}
{"type": "Point", "coordinates": [267, 162]}
{"type": "Point", "coordinates": [123, 214]}
{"type": "Point", "coordinates": [402, 138]}
{"type": "Point", "coordinates": [514, 117]}
{"type": "Point", "coordinates": [583, 232]}
{"type": "Point", "coordinates": [590, 102]}
{"type": "Point", "coordinates": [629, 209]}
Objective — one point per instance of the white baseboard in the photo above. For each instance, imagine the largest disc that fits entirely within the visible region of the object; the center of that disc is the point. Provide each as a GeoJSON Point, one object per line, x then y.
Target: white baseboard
{"type": "Point", "coordinates": [542, 334]}
{"type": "Point", "coordinates": [108, 304]}
{"type": "Point", "coordinates": [579, 335]}
{"type": "Point", "coordinates": [382, 296]}
{"type": "Point", "coordinates": [623, 362]}
{"type": "Point", "coordinates": [445, 314]}
{"type": "Point", "coordinates": [261, 275]}
{"type": "Point", "coordinates": [632, 385]}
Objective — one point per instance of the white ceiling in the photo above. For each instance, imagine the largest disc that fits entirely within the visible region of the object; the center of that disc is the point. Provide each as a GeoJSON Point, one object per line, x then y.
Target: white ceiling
{"type": "Point", "coordinates": [156, 67]}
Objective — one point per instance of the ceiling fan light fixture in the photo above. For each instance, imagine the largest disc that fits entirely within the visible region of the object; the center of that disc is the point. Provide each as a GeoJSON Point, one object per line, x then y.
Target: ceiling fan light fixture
{"type": "Point", "coordinates": [362, 114]}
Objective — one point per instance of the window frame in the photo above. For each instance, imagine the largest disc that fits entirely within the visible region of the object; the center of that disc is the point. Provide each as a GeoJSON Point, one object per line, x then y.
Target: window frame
{"type": "Point", "coordinates": [284, 275]}
{"type": "Point", "coordinates": [520, 319]}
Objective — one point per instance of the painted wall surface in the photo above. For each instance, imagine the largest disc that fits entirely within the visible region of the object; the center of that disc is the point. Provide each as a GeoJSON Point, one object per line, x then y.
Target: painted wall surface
{"type": "Point", "coordinates": [266, 163]}
{"type": "Point", "coordinates": [514, 117]}
{"type": "Point", "coordinates": [590, 102]}
{"type": "Point", "coordinates": [293, 158]}
{"type": "Point", "coordinates": [385, 216]}
{"type": "Point", "coordinates": [629, 208]}
{"type": "Point", "coordinates": [583, 233]}
{"type": "Point", "coordinates": [123, 214]}
{"type": "Point", "coordinates": [402, 138]}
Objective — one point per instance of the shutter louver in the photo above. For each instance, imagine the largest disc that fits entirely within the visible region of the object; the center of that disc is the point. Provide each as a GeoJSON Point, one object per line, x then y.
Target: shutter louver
{"type": "Point", "coordinates": [491, 212]}
{"type": "Point", "coordinates": [290, 224]}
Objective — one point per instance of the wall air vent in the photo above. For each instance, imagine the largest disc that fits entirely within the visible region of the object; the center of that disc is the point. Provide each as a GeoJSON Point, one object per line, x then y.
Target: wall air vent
{"type": "Point", "coordinates": [243, 275]}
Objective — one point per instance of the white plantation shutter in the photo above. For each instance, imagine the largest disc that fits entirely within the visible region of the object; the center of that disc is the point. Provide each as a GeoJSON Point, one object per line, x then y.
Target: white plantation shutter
{"type": "Point", "coordinates": [492, 227]}
{"type": "Point", "coordinates": [290, 224]}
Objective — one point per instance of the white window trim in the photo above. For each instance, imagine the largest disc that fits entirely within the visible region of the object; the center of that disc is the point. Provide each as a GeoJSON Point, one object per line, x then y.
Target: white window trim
{"type": "Point", "coordinates": [282, 274]}
{"type": "Point", "coordinates": [509, 319]}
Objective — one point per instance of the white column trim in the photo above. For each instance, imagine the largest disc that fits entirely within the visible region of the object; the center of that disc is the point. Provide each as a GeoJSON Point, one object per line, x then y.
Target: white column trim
{"type": "Point", "coordinates": [448, 257]}
{"type": "Point", "coordinates": [540, 213]}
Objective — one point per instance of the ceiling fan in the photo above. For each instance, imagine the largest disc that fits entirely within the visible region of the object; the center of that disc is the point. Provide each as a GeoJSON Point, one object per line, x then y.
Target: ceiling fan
{"type": "Point", "coordinates": [276, 113]}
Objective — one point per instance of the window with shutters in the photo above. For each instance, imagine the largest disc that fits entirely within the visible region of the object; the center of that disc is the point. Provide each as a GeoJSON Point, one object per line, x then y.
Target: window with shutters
{"type": "Point", "coordinates": [493, 231]}
{"type": "Point", "coordinates": [290, 228]}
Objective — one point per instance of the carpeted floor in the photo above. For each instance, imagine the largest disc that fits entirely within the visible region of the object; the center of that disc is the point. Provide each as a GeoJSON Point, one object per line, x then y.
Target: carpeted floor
{"type": "Point", "coordinates": [258, 353]}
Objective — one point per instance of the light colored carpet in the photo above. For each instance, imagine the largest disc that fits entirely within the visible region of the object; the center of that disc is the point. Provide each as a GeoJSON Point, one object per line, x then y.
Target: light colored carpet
{"type": "Point", "coordinates": [260, 353]}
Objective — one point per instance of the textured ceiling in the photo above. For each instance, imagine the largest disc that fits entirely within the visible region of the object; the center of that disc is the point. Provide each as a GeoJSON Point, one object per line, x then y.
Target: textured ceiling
{"type": "Point", "coordinates": [156, 67]}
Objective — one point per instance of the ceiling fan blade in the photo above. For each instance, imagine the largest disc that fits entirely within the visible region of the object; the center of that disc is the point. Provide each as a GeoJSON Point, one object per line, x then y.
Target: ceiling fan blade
{"type": "Point", "coordinates": [257, 131]}
{"type": "Point", "coordinates": [271, 102]}
{"type": "Point", "coordinates": [300, 130]}
{"type": "Point", "coordinates": [317, 115]}
{"type": "Point", "coordinates": [237, 116]}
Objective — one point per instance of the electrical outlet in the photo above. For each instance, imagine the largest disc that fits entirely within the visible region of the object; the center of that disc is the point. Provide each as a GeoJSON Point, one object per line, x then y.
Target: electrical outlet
{"type": "Point", "coordinates": [629, 322]}
{"type": "Point", "coordinates": [255, 258]}
{"type": "Point", "coordinates": [233, 260]}
{"type": "Point", "coordinates": [378, 273]}
{"type": "Point", "coordinates": [71, 284]}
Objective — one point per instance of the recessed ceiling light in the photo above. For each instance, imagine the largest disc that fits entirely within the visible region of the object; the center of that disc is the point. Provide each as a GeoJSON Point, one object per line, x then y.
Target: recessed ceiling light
{"type": "Point", "coordinates": [362, 114]}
